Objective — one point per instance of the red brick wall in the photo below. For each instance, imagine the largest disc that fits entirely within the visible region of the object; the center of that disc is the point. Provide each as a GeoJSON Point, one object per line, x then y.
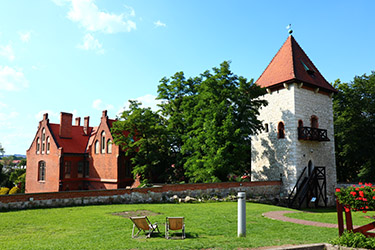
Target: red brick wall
{"type": "Point", "coordinates": [163, 188]}
{"type": "Point", "coordinates": [103, 166]}
{"type": "Point", "coordinates": [52, 160]}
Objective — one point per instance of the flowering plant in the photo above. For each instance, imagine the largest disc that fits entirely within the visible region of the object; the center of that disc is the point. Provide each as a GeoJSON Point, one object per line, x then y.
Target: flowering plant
{"type": "Point", "coordinates": [357, 198]}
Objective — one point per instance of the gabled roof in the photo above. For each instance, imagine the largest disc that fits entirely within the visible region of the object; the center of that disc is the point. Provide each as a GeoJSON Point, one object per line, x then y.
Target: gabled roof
{"type": "Point", "coordinates": [291, 64]}
{"type": "Point", "coordinates": [77, 144]}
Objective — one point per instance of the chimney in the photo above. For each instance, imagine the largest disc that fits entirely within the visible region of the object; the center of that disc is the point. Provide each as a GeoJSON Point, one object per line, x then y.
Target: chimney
{"type": "Point", "coordinates": [104, 114]}
{"type": "Point", "coordinates": [65, 125]}
{"type": "Point", "coordinates": [45, 116]}
{"type": "Point", "coordinates": [78, 121]}
{"type": "Point", "coordinates": [86, 125]}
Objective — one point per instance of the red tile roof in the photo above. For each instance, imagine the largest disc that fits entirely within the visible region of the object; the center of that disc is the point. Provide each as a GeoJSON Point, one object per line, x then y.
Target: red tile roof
{"type": "Point", "coordinates": [76, 144]}
{"type": "Point", "coordinates": [291, 64]}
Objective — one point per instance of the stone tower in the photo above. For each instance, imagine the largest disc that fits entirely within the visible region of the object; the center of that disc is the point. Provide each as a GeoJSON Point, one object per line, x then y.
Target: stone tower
{"type": "Point", "coordinates": [298, 121]}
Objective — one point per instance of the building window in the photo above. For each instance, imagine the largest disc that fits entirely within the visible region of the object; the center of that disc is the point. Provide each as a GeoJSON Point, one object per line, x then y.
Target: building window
{"type": "Point", "coordinates": [43, 140]}
{"type": "Point", "coordinates": [80, 169]}
{"type": "Point", "coordinates": [87, 169]}
{"type": "Point", "coordinates": [266, 128]}
{"type": "Point", "coordinates": [280, 130]}
{"type": "Point", "coordinates": [300, 123]}
{"type": "Point", "coordinates": [96, 147]}
{"type": "Point", "coordinates": [314, 121]}
{"type": "Point", "coordinates": [68, 166]}
{"type": "Point", "coordinates": [37, 145]}
{"type": "Point", "coordinates": [109, 146]}
{"type": "Point", "coordinates": [48, 144]}
{"type": "Point", "coordinates": [41, 171]}
{"type": "Point", "coordinates": [103, 142]}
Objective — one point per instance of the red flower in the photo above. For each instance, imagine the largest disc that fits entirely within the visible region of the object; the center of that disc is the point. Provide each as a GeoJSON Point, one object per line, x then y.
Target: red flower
{"type": "Point", "coordinates": [361, 193]}
{"type": "Point", "coordinates": [347, 209]}
{"type": "Point", "coordinates": [364, 199]}
{"type": "Point", "coordinates": [360, 183]}
{"type": "Point", "coordinates": [373, 197]}
{"type": "Point", "coordinates": [337, 190]}
{"type": "Point", "coordinates": [357, 189]}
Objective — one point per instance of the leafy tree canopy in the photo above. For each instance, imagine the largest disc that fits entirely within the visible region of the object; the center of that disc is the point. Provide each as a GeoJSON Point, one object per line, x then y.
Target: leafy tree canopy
{"type": "Point", "coordinates": [211, 118]}
{"type": "Point", "coordinates": [141, 134]}
{"type": "Point", "coordinates": [354, 121]}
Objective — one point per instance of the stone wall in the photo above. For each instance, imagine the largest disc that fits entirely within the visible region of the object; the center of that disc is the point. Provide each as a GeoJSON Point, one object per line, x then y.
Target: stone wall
{"type": "Point", "coordinates": [274, 158]}
{"type": "Point", "coordinates": [264, 190]}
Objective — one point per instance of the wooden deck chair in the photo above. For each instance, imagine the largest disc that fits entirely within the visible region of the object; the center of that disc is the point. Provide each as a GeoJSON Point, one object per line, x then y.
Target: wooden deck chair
{"type": "Point", "coordinates": [174, 223]}
{"type": "Point", "coordinates": [143, 223]}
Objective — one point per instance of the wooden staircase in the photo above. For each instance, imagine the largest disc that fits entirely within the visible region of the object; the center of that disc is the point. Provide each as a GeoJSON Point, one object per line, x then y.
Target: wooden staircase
{"type": "Point", "coordinates": [310, 188]}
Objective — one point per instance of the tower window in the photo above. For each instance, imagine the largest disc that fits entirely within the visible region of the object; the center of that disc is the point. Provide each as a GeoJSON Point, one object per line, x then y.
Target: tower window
{"type": "Point", "coordinates": [280, 130]}
{"type": "Point", "coordinates": [300, 123]}
{"type": "Point", "coordinates": [314, 122]}
{"type": "Point", "coordinates": [266, 128]}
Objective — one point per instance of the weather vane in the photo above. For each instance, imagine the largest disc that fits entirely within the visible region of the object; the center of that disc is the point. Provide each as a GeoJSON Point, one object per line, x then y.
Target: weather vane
{"type": "Point", "coordinates": [289, 28]}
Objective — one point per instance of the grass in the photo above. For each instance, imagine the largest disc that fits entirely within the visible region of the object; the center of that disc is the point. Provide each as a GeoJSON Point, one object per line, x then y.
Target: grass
{"type": "Point", "coordinates": [208, 225]}
{"type": "Point", "coordinates": [329, 215]}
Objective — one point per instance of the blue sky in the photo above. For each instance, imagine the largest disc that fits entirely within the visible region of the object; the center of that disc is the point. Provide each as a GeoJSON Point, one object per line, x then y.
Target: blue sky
{"type": "Point", "coordinates": [84, 56]}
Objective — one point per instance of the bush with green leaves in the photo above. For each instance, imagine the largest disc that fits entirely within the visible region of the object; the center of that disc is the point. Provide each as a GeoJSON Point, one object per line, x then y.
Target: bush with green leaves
{"type": "Point", "coordinates": [356, 240]}
{"type": "Point", "coordinates": [357, 198]}
{"type": "Point", "coordinates": [4, 190]}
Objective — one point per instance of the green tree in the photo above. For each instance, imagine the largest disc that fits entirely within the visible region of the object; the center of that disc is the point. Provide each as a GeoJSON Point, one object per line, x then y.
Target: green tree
{"type": "Point", "coordinates": [2, 151]}
{"type": "Point", "coordinates": [211, 118]}
{"type": "Point", "coordinates": [22, 163]}
{"type": "Point", "coordinates": [354, 121]}
{"type": "Point", "coordinates": [141, 133]}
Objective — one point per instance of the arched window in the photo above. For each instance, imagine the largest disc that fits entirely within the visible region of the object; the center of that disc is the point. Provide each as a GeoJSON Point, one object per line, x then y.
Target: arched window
{"type": "Point", "coordinates": [103, 142]}
{"type": "Point", "coordinates": [109, 146]}
{"type": "Point", "coordinates": [48, 144]}
{"type": "Point", "coordinates": [41, 171]}
{"type": "Point", "coordinates": [280, 130]}
{"type": "Point", "coordinates": [43, 140]}
{"type": "Point", "coordinates": [96, 147]}
{"type": "Point", "coordinates": [37, 145]}
{"type": "Point", "coordinates": [314, 121]}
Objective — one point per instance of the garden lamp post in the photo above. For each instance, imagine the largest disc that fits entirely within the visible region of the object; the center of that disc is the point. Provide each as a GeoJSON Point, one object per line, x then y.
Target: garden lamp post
{"type": "Point", "coordinates": [241, 213]}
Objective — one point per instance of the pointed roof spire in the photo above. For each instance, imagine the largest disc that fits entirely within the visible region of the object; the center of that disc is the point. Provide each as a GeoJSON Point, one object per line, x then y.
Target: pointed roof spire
{"type": "Point", "coordinates": [291, 64]}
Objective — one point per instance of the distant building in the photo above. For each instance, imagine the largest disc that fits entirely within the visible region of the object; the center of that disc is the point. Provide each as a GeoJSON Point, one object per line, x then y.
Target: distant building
{"type": "Point", "coordinates": [298, 122]}
{"type": "Point", "coordinates": [73, 157]}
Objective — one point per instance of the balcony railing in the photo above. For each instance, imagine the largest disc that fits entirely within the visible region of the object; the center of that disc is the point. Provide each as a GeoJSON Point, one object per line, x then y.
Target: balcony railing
{"type": "Point", "coordinates": [312, 134]}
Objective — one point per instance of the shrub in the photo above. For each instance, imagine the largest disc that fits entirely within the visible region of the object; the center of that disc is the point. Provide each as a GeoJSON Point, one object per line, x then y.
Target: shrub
{"type": "Point", "coordinates": [356, 240]}
{"type": "Point", "coordinates": [4, 190]}
{"type": "Point", "coordinates": [14, 190]}
{"type": "Point", "coordinates": [357, 198]}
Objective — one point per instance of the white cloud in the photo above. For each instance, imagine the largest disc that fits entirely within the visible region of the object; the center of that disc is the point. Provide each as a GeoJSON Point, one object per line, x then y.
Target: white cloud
{"type": "Point", "coordinates": [88, 15]}
{"type": "Point", "coordinates": [90, 43]}
{"type": "Point", "coordinates": [25, 36]}
{"type": "Point", "coordinates": [98, 105]}
{"type": "Point", "coordinates": [159, 24]}
{"type": "Point", "coordinates": [147, 101]}
{"type": "Point", "coordinates": [7, 51]}
{"type": "Point", "coordinates": [11, 79]}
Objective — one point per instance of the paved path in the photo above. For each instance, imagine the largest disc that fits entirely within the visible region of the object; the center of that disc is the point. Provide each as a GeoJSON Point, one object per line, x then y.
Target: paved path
{"type": "Point", "coordinates": [279, 215]}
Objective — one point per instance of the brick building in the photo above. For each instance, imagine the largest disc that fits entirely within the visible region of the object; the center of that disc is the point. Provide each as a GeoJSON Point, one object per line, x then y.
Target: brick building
{"type": "Point", "coordinates": [73, 157]}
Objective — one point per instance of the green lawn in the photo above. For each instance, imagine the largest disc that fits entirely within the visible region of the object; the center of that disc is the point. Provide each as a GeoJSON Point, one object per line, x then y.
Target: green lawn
{"type": "Point", "coordinates": [208, 225]}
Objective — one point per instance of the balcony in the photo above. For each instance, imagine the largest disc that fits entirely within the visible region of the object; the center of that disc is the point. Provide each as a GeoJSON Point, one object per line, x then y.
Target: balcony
{"type": "Point", "coordinates": [312, 134]}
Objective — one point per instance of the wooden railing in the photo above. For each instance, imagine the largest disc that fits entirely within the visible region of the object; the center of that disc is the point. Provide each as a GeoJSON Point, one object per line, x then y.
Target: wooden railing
{"type": "Point", "coordinates": [312, 134]}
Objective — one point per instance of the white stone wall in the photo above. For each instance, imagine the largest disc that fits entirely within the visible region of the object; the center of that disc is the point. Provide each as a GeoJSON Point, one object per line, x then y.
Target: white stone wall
{"type": "Point", "coordinates": [273, 158]}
